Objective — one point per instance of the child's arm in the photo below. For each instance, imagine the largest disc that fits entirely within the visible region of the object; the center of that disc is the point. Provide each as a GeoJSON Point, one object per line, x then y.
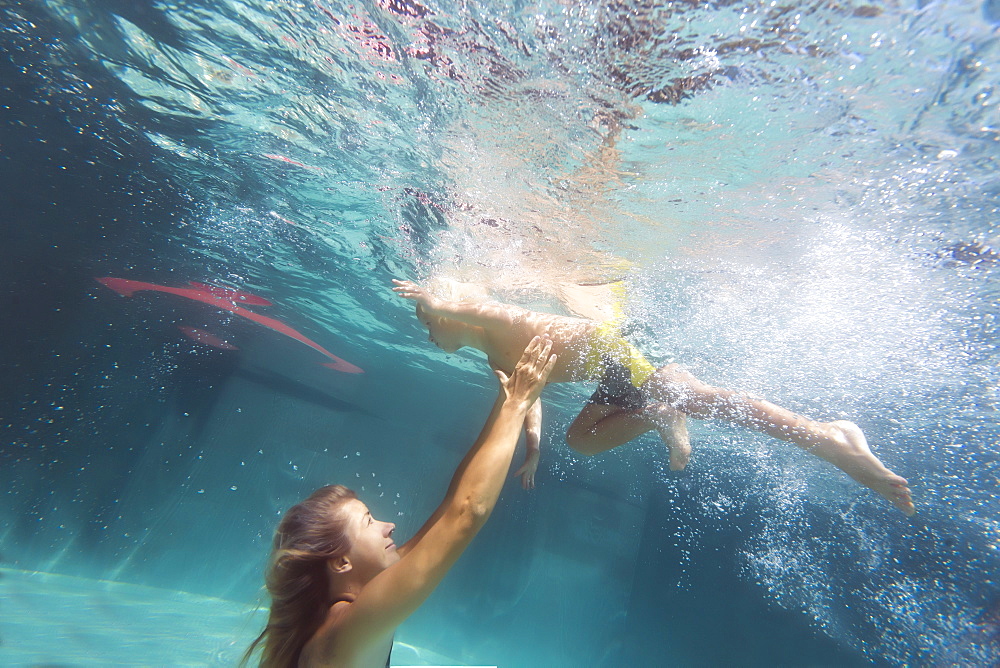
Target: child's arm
{"type": "Point", "coordinates": [479, 314]}
{"type": "Point", "coordinates": [532, 443]}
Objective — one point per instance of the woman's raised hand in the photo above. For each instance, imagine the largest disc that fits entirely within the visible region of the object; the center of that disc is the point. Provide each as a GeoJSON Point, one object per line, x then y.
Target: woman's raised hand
{"type": "Point", "coordinates": [531, 372]}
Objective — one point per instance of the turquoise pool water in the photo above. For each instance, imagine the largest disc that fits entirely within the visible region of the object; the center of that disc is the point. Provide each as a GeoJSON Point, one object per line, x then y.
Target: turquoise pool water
{"type": "Point", "coordinates": [800, 199]}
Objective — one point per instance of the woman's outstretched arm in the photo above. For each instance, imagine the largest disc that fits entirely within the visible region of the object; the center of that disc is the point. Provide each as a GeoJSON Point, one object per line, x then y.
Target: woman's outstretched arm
{"type": "Point", "coordinates": [397, 591]}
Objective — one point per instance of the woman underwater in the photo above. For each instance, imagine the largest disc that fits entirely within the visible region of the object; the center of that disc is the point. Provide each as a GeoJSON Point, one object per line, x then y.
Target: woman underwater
{"type": "Point", "coordinates": [340, 586]}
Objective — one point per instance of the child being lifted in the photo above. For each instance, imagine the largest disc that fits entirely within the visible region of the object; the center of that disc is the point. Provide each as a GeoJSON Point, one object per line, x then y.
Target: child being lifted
{"type": "Point", "coordinates": [633, 396]}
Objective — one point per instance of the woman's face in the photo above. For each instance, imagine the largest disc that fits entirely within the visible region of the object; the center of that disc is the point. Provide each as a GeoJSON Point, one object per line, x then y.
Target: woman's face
{"type": "Point", "coordinates": [372, 548]}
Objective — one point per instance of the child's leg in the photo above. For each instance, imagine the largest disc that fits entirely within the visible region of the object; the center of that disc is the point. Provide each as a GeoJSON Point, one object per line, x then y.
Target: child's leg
{"type": "Point", "coordinates": [672, 426]}
{"type": "Point", "coordinates": [600, 427]}
{"type": "Point", "coordinates": [841, 443]}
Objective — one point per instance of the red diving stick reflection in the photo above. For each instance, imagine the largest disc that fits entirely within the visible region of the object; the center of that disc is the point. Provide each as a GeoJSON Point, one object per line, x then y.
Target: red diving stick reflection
{"type": "Point", "coordinates": [209, 339]}
{"type": "Point", "coordinates": [127, 288]}
{"type": "Point", "coordinates": [234, 296]}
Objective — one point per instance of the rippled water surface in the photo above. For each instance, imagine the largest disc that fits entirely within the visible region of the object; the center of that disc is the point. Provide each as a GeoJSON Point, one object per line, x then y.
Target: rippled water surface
{"type": "Point", "coordinates": [800, 198]}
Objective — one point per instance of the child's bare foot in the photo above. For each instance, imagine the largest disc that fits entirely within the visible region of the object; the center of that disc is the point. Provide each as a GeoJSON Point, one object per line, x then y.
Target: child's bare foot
{"type": "Point", "coordinates": [672, 427]}
{"type": "Point", "coordinates": [848, 450]}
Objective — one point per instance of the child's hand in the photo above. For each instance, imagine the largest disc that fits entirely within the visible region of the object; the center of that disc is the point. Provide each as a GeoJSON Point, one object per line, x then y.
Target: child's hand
{"type": "Point", "coordinates": [410, 290]}
{"type": "Point", "coordinates": [527, 470]}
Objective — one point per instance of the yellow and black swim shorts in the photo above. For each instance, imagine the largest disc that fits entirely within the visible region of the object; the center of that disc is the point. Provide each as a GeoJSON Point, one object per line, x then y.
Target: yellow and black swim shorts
{"type": "Point", "coordinates": [620, 366]}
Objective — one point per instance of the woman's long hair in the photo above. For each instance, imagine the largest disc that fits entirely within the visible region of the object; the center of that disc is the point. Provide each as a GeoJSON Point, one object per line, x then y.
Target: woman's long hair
{"type": "Point", "coordinates": [310, 534]}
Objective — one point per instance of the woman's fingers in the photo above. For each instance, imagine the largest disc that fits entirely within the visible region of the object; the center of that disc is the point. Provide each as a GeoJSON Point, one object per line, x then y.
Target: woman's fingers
{"type": "Point", "coordinates": [531, 372]}
{"type": "Point", "coordinates": [536, 354]}
{"type": "Point", "coordinates": [550, 363]}
{"type": "Point", "coordinates": [528, 354]}
{"type": "Point", "coordinates": [536, 363]}
{"type": "Point", "coordinates": [544, 359]}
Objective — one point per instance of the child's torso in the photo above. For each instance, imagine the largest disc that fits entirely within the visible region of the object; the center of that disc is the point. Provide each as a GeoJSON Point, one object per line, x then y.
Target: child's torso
{"type": "Point", "coordinates": [570, 343]}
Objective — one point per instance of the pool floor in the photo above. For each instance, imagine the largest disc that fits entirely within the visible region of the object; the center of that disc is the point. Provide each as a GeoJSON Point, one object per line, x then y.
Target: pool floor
{"type": "Point", "coordinates": [50, 620]}
{"type": "Point", "coordinates": [58, 620]}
